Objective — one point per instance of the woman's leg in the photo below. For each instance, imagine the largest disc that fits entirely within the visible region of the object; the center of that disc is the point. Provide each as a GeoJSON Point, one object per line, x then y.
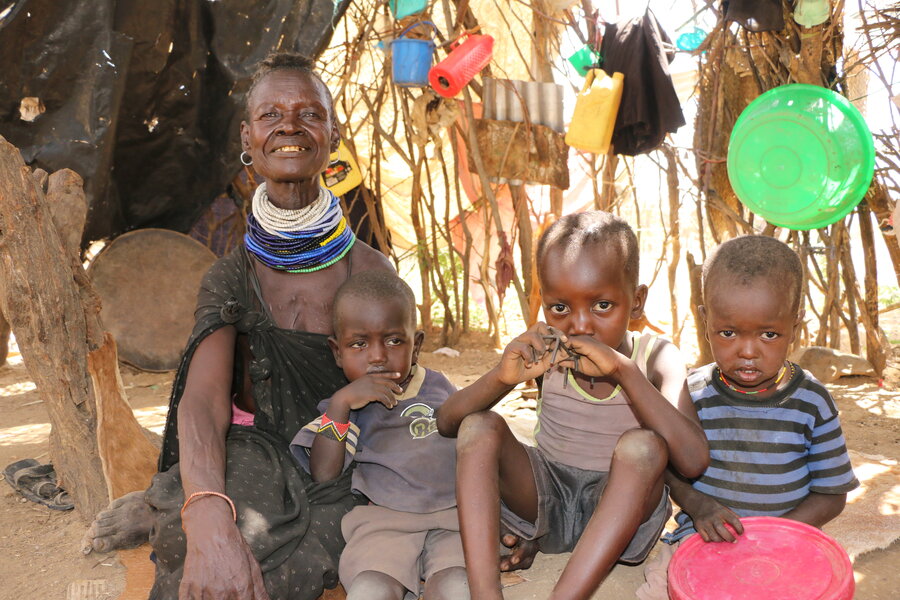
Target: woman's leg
{"type": "Point", "coordinates": [490, 464]}
{"type": "Point", "coordinates": [631, 495]}
{"type": "Point", "coordinates": [447, 584]}
{"type": "Point", "coordinates": [372, 585]}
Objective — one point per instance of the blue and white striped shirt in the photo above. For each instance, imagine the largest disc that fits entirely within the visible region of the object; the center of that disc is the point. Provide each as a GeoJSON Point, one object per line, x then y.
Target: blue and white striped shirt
{"type": "Point", "coordinates": [767, 455]}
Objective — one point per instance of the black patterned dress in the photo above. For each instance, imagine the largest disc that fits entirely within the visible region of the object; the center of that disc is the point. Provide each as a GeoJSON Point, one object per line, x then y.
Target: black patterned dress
{"type": "Point", "coordinates": [291, 523]}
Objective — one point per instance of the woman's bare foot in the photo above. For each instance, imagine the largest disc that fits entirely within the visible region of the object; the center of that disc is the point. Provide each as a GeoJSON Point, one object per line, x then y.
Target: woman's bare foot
{"type": "Point", "coordinates": [521, 555]}
{"type": "Point", "coordinates": [125, 523]}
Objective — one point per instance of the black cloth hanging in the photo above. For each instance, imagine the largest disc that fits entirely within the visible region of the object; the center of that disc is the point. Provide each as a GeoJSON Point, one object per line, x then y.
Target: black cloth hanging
{"type": "Point", "coordinates": [755, 15]}
{"type": "Point", "coordinates": [650, 108]}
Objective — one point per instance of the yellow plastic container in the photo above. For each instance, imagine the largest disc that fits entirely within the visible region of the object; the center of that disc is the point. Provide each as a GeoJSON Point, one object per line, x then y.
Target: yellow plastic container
{"type": "Point", "coordinates": [594, 118]}
{"type": "Point", "coordinates": [342, 174]}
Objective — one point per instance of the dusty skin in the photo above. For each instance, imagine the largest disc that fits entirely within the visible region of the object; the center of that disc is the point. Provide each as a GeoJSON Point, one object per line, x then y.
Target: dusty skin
{"type": "Point", "coordinates": [42, 555]}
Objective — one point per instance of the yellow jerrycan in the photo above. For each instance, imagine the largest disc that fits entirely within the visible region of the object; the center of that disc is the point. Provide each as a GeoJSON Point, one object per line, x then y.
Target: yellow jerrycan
{"type": "Point", "coordinates": [342, 173]}
{"type": "Point", "coordinates": [596, 107]}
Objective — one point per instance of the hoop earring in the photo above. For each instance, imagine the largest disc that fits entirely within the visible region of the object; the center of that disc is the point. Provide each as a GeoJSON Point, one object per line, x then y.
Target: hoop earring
{"type": "Point", "coordinates": [246, 159]}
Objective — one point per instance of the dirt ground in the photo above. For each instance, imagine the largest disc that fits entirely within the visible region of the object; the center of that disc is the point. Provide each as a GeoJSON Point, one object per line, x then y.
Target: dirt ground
{"type": "Point", "coordinates": [40, 556]}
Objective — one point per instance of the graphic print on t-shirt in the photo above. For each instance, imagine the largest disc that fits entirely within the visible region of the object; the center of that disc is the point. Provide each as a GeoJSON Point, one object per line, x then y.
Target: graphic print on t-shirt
{"type": "Point", "coordinates": [423, 421]}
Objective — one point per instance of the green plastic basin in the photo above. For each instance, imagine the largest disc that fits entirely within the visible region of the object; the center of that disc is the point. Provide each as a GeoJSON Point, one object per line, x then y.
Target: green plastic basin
{"type": "Point", "coordinates": [801, 156]}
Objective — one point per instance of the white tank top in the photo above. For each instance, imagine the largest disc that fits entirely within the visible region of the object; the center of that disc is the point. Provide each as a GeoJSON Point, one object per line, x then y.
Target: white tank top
{"type": "Point", "coordinates": [576, 429]}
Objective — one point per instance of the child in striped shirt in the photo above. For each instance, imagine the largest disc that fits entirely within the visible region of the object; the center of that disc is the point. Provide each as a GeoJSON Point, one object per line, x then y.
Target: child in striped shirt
{"type": "Point", "coordinates": [775, 440]}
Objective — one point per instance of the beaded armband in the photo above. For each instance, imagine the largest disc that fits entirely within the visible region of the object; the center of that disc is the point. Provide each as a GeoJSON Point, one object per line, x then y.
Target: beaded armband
{"type": "Point", "coordinates": [333, 430]}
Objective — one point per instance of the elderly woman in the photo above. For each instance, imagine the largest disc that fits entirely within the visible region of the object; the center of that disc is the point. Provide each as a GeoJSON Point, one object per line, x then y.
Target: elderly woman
{"type": "Point", "coordinates": [230, 515]}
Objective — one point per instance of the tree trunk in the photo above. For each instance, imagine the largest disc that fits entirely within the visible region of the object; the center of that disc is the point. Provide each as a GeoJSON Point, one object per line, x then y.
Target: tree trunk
{"type": "Point", "coordinates": [53, 329]}
{"type": "Point", "coordinates": [54, 312]}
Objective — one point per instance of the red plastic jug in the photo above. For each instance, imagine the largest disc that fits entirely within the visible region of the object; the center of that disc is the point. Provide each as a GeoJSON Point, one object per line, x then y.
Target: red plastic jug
{"type": "Point", "coordinates": [465, 60]}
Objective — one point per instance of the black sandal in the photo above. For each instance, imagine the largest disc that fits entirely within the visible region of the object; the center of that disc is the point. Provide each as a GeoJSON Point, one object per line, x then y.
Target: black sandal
{"type": "Point", "coordinates": [37, 483]}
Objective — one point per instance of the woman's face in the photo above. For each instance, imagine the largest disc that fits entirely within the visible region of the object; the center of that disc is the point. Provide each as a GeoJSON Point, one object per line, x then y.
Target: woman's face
{"type": "Point", "coordinates": [290, 133]}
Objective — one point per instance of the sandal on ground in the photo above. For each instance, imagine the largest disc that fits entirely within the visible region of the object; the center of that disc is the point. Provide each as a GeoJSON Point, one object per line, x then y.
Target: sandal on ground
{"type": "Point", "coordinates": [37, 483]}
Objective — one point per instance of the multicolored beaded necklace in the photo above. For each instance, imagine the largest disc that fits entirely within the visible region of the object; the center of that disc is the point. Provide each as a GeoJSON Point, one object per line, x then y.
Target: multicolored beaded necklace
{"type": "Point", "coordinates": [753, 393]}
{"type": "Point", "coordinates": [298, 241]}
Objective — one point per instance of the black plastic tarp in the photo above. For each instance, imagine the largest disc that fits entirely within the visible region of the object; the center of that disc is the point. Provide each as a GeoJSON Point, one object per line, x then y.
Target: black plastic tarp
{"type": "Point", "coordinates": [143, 98]}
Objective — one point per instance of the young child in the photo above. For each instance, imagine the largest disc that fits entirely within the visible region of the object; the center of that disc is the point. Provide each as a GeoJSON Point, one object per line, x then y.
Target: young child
{"type": "Point", "coordinates": [606, 429]}
{"type": "Point", "coordinates": [775, 440]}
{"type": "Point", "coordinates": [384, 421]}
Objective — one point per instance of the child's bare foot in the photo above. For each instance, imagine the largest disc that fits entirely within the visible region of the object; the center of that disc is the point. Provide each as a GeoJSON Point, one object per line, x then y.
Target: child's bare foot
{"type": "Point", "coordinates": [522, 553]}
{"type": "Point", "coordinates": [125, 523]}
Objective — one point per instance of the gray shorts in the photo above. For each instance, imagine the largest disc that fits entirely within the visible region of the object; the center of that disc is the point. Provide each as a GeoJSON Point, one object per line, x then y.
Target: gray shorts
{"type": "Point", "coordinates": [567, 497]}
{"type": "Point", "coordinates": [410, 547]}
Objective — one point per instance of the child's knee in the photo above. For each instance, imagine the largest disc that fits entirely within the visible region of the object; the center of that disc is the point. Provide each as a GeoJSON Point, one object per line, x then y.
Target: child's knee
{"type": "Point", "coordinates": [643, 450]}
{"type": "Point", "coordinates": [447, 584]}
{"type": "Point", "coordinates": [478, 428]}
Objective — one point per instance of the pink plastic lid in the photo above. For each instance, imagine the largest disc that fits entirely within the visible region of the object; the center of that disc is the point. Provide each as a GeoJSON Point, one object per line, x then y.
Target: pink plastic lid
{"type": "Point", "coordinates": [774, 558]}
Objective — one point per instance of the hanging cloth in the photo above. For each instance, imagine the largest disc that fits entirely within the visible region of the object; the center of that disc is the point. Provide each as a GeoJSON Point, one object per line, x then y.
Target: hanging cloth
{"type": "Point", "coordinates": [755, 15]}
{"type": "Point", "coordinates": [649, 108]}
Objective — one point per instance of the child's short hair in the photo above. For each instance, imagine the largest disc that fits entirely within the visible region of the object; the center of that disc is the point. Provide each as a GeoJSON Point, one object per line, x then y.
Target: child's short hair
{"type": "Point", "coordinates": [592, 227]}
{"type": "Point", "coordinates": [375, 286]}
{"type": "Point", "coordinates": [748, 257]}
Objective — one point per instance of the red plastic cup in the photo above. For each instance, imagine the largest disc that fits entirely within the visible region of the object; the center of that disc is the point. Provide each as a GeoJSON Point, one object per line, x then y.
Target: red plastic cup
{"type": "Point", "coordinates": [774, 558]}
{"type": "Point", "coordinates": [465, 60]}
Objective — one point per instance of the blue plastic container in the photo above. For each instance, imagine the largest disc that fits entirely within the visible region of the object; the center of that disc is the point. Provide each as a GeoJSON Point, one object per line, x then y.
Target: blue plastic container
{"type": "Point", "coordinates": [404, 8]}
{"type": "Point", "coordinates": [412, 58]}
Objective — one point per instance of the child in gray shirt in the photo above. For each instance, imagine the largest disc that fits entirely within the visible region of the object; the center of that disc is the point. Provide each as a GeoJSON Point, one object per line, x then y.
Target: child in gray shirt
{"type": "Point", "coordinates": [383, 420]}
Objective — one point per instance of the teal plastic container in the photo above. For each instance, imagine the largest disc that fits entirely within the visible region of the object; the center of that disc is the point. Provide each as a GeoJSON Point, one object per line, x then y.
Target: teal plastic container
{"type": "Point", "coordinates": [801, 156]}
{"type": "Point", "coordinates": [411, 59]}
{"type": "Point", "coordinates": [404, 8]}
{"type": "Point", "coordinates": [584, 59]}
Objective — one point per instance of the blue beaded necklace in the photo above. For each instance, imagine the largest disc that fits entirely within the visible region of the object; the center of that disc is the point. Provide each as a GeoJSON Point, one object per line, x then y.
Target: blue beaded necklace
{"type": "Point", "coordinates": [305, 248]}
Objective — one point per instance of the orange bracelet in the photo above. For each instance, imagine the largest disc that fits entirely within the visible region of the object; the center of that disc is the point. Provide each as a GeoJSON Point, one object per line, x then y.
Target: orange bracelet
{"type": "Point", "coordinates": [208, 493]}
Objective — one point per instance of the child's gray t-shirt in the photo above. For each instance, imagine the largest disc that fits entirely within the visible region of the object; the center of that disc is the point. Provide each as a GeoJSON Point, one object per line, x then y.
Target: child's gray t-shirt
{"type": "Point", "coordinates": [403, 463]}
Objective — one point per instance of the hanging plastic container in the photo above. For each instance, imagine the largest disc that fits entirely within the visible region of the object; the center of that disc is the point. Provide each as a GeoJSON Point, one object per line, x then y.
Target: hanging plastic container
{"type": "Point", "coordinates": [801, 156]}
{"type": "Point", "coordinates": [342, 173]}
{"type": "Point", "coordinates": [691, 41]}
{"type": "Point", "coordinates": [411, 58]}
{"type": "Point", "coordinates": [773, 558]}
{"type": "Point", "coordinates": [465, 60]}
{"type": "Point", "coordinates": [596, 107]}
{"type": "Point", "coordinates": [404, 8]}
{"type": "Point", "coordinates": [584, 60]}
{"type": "Point", "coordinates": [810, 13]}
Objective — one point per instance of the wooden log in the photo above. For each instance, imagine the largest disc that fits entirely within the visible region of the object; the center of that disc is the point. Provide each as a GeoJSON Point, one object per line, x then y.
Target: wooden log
{"type": "Point", "coordinates": [880, 204]}
{"type": "Point", "coordinates": [45, 310]}
{"type": "Point", "coordinates": [4, 338]}
{"type": "Point", "coordinates": [695, 272]}
{"type": "Point", "coordinates": [54, 311]}
{"type": "Point", "coordinates": [127, 456]}
{"type": "Point", "coordinates": [68, 207]}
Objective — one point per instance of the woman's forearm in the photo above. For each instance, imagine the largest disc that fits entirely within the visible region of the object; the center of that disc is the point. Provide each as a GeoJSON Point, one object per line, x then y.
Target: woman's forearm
{"type": "Point", "coordinates": [204, 415]}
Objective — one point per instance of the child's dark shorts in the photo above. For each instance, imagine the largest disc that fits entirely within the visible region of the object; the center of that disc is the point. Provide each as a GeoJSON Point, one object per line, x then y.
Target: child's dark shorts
{"type": "Point", "coordinates": [567, 497]}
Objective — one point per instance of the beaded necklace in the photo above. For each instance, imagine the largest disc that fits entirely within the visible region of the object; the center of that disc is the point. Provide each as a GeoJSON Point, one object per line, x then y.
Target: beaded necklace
{"type": "Point", "coordinates": [753, 393]}
{"type": "Point", "coordinates": [298, 241]}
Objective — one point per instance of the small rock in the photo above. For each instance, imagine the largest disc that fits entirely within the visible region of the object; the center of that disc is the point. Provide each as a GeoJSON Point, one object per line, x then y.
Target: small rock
{"type": "Point", "coordinates": [445, 351]}
{"type": "Point", "coordinates": [828, 365]}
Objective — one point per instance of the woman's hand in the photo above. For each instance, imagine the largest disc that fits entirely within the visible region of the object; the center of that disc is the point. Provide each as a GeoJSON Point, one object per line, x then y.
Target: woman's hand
{"type": "Point", "coordinates": [596, 358]}
{"type": "Point", "coordinates": [711, 520]}
{"type": "Point", "coordinates": [219, 563]}
{"type": "Point", "coordinates": [526, 357]}
{"type": "Point", "coordinates": [374, 387]}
